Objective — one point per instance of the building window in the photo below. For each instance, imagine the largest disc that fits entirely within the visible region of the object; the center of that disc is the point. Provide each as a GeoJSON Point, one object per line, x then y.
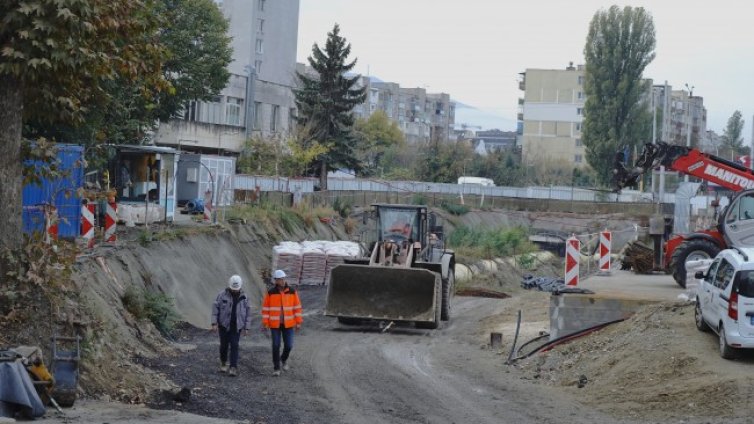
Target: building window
{"type": "Point", "coordinates": [581, 80]}
{"type": "Point", "coordinates": [580, 95]}
{"type": "Point", "coordinates": [258, 66]}
{"type": "Point", "coordinates": [274, 118]}
{"type": "Point", "coordinates": [257, 114]}
{"type": "Point", "coordinates": [578, 126]}
{"type": "Point", "coordinates": [577, 158]}
{"type": "Point", "coordinates": [260, 46]}
{"type": "Point", "coordinates": [260, 27]}
{"type": "Point", "coordinates": [579, 143]}
{"type": "Point", "coordinates": [233, 111]}
{"type": "Point", "coordinates": [291, 120]}
{"type": "Point", "coordinates": [580, 111]}
{"type": "Point", "coordinates": [261, 5]}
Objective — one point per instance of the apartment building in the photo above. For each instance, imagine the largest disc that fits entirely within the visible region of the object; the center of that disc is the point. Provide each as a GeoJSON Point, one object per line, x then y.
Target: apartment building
{"type": "Point", "coordinates": [421, 116]}
{"type": "Point", "coordinates": [550, 116]}
{"type": "Point", "coordinates": [258, 100]}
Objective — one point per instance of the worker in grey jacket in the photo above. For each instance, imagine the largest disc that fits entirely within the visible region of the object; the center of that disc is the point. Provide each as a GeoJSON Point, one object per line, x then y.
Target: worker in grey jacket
{"type": "Point", "coordinates": [231, 316]}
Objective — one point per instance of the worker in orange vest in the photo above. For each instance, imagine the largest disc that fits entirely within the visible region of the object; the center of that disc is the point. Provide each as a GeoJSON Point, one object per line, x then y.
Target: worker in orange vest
{"type": "Point", "coordinates": [282, 314]}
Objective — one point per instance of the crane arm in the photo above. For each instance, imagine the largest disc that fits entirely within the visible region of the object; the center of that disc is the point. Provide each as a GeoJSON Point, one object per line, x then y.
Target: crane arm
{"type": "Point", "coordinates": [690, 161]}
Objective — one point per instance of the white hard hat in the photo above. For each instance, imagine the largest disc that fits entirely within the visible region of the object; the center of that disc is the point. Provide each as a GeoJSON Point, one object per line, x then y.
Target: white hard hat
{"type": "Point", "coordinates": [278, 274]}
{"type": "Point", "coordinates": [235, 282]}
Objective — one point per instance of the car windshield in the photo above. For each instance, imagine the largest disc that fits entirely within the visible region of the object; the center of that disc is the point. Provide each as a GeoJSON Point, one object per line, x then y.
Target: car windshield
{"type": "Point", "coordinates": [399, 224]}
{"type": "Point", "coordinates": [745, 283]}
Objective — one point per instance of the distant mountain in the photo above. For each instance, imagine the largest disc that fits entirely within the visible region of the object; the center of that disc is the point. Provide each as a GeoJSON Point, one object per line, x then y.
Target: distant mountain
{"type": "Point", "coordinates": [474, 117]}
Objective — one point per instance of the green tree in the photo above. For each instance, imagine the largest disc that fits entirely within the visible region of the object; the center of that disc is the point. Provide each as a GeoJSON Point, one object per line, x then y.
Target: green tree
{"type": "Point", "coordinates": [197, 53]}
{"type": "Point", "coordinates": [444, 162]}
{"type": "Point", "coordinates": [54, 57]}
{"type": "Point", "coordinates": [732, 138]}
{"type": "Point", "coordinates": [325, 102]}
{"type": "Point", "coordinates": [619, 46]}
{"type": "Point", "coordinates": [374, 137]}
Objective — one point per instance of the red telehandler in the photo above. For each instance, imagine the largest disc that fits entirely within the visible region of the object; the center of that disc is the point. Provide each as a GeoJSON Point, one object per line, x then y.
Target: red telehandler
{"type": "Point", "coordinates": [735, 225]}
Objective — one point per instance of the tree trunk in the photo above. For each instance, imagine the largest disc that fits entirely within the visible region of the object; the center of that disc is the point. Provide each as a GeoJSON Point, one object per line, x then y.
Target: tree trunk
{"type": "Point", "coordinates": [323, 175]}
{"type": "Point", "coordinates": [11, 111]}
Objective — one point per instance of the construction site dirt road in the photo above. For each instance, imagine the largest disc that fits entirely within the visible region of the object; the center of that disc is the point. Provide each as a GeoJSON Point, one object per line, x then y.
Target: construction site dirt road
{"type": "Point", "coordinates": [652, 368]}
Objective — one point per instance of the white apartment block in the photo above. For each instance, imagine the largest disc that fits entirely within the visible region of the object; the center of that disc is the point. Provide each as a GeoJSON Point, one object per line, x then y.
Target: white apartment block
{"type": "Point", "coordinates": [550, 116]}
{"type": "Point", "coordinates": [258, 100]}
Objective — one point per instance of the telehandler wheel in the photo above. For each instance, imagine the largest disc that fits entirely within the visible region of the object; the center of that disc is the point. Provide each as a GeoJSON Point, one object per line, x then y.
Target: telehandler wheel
{"type": "Point", "coordinates": [448, 291]}
{"type": "Point", "coordinates": [690, 250]}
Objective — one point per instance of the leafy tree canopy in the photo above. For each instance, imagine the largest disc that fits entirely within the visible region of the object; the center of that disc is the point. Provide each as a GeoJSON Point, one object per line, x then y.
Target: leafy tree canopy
{"type": "Point", "coordinates": [374, 136]}
{"type": "Point", "coordinates": [619, 46]}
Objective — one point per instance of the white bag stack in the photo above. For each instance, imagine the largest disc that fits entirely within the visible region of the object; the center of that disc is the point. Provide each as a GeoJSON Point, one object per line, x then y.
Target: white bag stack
{"type": "Point", "coordinates": [288, 257]}
{"type": "Point", "coordinates": [337, 252]}
{"type": "Point", "coordinates": [313, 264]}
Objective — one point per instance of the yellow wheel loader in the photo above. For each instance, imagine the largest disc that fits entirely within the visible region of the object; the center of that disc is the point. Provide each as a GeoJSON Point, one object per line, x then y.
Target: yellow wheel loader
{"type": "Point", "coordinates": [408, 275]}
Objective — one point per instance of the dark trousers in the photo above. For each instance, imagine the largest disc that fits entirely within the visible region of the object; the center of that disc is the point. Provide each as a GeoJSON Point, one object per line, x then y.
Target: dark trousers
{"type": "Point", "coordinates": [229, 338]}
{"type": "Point", "coordinates": [287, 335]}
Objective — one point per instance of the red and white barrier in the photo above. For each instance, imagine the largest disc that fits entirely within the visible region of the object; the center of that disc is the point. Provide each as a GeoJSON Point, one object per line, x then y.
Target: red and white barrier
{"type": "Point", "coordinates": [573, 254]}
{"type": "Point", "coordinates": [208, 206]}
{"type": "Point", "coordinates": [51, 223]}
{"type": "Point", "coordinates": [110, 222]}
{"type": "Point", "coordinates": [87, 223]}
{"type": "Point", "coordinates": [606, 238]}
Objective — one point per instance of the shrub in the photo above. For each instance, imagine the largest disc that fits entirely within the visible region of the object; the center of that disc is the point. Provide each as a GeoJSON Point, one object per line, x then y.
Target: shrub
{"type": "Point", "coordinates": [490, 243]}
{"type": "Point", "coordinates": [456, 209]}
{"type": "Point", "coordinates": [342, 207]}
{"type": "Point", "coordinates": [152, 305]}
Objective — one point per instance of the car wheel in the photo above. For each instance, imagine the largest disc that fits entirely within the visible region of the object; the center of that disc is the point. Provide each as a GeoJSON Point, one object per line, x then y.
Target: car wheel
{"type": "Point", "coordinates": [690, 250]}
{"type": "Point", "coordinates": [701, 325]}
{"type": "Point", "coordinates": [726, 351]}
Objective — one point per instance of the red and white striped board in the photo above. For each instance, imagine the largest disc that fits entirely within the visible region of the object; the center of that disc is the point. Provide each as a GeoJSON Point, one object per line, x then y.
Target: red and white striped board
{"type": "Point", "coordinates": [573, 249]}
{"type": "Point", "coordinates": [51, 223]}
{"type": "Point", "coordinates": [110, 222]}
{"type": "Point", "coordinates": [87, 223]}
{"type": "Point", "coordinates": [606, 238]}
{"type": "Point", "coordinates": [208, 206]}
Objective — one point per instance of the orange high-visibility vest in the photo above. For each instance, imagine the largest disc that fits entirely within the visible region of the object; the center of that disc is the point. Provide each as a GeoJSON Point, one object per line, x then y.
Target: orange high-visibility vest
{"type": "Point", "coordinates": [286, 305]}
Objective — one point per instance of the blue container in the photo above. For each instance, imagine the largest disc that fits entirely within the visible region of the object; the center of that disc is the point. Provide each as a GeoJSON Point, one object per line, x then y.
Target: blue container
{"type": "Point", "coordinates": [62, 193]}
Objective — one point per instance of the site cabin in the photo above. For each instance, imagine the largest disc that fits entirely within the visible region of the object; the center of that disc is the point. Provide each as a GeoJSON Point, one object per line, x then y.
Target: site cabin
{"type": "Point", "coordinates": [145, 184]}
{"type": "Point", "coordinates": [486, 182]}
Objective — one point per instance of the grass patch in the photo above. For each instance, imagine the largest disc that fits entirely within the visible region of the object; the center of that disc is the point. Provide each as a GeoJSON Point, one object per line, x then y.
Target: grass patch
{"type": "Point", "coordinates": [455, 209]}
{"type": "Point", "coordinates": [490, 243]}
{"type": "Point", "coordinates": [271, 217]}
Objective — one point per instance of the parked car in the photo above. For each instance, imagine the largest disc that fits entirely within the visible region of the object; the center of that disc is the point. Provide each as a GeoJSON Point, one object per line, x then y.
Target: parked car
{"type": "Point", "coordinates": [725, 300]}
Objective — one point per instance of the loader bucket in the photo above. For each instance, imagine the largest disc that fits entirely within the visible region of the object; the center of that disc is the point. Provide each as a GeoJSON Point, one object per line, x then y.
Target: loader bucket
{"type": "Point", "coordinates": [383, 293]}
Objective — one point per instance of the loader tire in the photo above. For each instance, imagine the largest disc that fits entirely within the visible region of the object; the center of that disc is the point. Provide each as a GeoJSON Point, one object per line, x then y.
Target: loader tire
{"type": "Point", "coordinates": [694, 249]}
{"type": "Point", "coordinates": [448, 291]}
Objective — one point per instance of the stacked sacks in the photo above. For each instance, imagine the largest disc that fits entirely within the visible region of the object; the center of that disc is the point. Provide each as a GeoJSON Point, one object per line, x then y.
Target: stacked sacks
{"type": "Point", "coordinates": [337, 252]}
{"type": "Point", "coordinates": [313, 263]}
{"type": "Point", "coordinates": [288, 257]}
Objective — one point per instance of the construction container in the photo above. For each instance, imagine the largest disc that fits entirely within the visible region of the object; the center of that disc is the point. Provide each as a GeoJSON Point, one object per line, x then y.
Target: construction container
{"type": "Point", "coordinates": [60, 192]}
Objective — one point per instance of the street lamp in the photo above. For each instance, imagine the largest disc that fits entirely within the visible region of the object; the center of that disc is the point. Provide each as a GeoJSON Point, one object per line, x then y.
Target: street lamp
{"type": "Point", "coordinates": [688, 122]}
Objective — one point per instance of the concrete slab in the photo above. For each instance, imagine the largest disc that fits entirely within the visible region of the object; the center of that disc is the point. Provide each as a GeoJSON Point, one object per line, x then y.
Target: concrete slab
{"type": "Point", "coordinates": [629, 285]}
{"type": "Point", "coordinates": [616, 296]}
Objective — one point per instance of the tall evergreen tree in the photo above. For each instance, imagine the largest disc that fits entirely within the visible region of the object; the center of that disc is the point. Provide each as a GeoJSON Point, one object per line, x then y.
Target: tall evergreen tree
{"type": "Point", "coordinates": [732, 135]}
{"type": "Point", "coordinates": [325, 103]}
{"type": "Point", "coordinates": [619, 46]}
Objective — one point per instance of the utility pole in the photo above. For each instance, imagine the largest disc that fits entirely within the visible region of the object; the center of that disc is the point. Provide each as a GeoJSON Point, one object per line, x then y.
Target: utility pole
{"type": "Point", "coordinates": [665, 107]}
{"type": "Point", "coordinates": [688, 123]}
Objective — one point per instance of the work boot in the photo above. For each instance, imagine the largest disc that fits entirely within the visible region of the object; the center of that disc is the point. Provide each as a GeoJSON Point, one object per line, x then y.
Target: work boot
{"type": "Point", "coordinates": [223, 367]}
{"type": "Point", "coordinates": [286, 367]}
{"type": "Point", "coordinates": [276, 373]}
{"type": "Point", "coordinates": [233, 372]}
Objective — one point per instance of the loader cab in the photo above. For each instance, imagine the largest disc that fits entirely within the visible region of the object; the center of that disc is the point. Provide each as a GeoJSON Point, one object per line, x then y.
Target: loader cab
{"type": "Point", "coordinates": [737, 221]}
{"type": "Point", "coordinates": [400, 223]}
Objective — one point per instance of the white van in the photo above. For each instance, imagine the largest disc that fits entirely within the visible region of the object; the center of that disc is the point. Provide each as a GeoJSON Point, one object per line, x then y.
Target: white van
{"type": "Point", "coordinates": [486, 182]}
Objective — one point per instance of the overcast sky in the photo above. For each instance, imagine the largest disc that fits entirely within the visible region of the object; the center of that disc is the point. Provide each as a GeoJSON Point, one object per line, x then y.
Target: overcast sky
{"type": "Point", "coordinates": [475, 49]}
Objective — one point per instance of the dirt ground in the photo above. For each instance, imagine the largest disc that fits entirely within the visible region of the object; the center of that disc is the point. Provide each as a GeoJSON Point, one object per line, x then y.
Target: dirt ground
{"type": "Point", "coordinates": [654, 367]}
